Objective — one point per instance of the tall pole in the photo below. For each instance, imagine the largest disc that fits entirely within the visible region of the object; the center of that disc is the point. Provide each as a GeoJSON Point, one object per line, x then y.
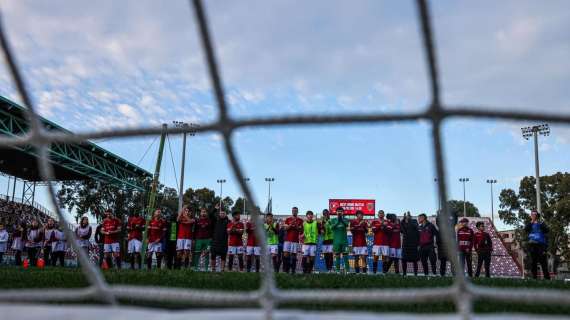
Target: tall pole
{"type": "Point", "coordinates": [244, 209]}
{"type": "Point", "coordinates": [491, 182]}
{"type": "Point", "coordinates": [438, 197]}
{"type": "Point", "coordinates": [8, 188]}
{"type": "Point", "coordinates": [221, 182]}
{"type": "Point", "coordinates": [269, 180]}
{"type": "Point", "coordinates": [534, 131]}
{"type": "Point", "coordinates": [463, 180]}
{"type": "Point", "coordinates": [14, 188]}
{"type": "Point", "coordinates": [180, 124]}
{"type": "Point", "coordinates": [537, 173]}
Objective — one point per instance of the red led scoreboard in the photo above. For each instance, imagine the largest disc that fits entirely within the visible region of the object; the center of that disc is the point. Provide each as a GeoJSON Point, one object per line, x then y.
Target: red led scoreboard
{"type": "Point", "coordinates": [350, 206]}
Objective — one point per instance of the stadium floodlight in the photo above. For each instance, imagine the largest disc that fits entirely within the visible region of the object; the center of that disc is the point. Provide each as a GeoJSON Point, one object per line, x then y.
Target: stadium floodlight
{"type": "Point", "coordinates": [246, 180]}
{"type": "Point", "coordinates": [192, 132]}
{"type": "Point", "coordinates": [463, 180]}
{"type": "Point", "coordinates": [221, 182]}
{"type": "Point", "coordinates": [269, 180]}
{"type": "Point", "coordinates": [491, 182]}
{"type": "Point", "coordinates": [534, 131]}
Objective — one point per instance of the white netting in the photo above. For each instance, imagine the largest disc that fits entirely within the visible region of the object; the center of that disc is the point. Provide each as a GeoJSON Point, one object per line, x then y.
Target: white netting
{"type": "Point", "coordinates": [462, 293]}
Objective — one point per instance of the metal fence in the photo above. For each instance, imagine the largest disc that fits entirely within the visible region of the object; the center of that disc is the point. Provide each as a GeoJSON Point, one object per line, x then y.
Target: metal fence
{"type": "Point", "coordinates": [462, 292]}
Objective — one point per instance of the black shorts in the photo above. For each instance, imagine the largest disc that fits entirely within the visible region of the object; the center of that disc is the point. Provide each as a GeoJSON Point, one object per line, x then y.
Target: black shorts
{"type": "Point", "coordinates": [219, 251]}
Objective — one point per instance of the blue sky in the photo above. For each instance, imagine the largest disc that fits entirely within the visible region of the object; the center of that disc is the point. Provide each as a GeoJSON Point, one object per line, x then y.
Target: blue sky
{"type": "Point", "coordinates": [94, 66]}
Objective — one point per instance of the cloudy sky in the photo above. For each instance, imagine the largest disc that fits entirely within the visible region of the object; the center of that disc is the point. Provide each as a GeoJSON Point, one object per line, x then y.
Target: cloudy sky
{"type": "Point", "coordinates": [108, 64]}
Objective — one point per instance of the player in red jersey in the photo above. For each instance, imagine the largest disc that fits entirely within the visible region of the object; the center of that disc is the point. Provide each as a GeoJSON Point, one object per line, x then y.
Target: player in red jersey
{"type": "Point", "coordinates": [293, 227]}
{"type": "Point", "coordinates": [252, 249]}
{"type": "Point", "coordinates": [156, 232]}
{"type": "Point", "coordinates": [235, 241]}
{"type": "Point", "coordinates": [110, 231]}
{"type": "Point", "coordinates": [395, 244]}
{"type": "Point", "coordinates": [135, 228]}
{"type": "Point", "coordinates": [203, 238]}
{"type": "Point", "coordinates": [465, 238]}
{"type": "Point", "coordinates": [359, 229]}
{"type": "Point", "coordinates": [382, 230]}
{"type": "Point", "coordinates": [184, 237]}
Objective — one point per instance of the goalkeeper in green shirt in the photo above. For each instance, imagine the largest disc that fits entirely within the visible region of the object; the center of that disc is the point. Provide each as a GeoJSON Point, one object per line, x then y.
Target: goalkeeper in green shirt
{"type": "Point", "coordinates": [327, 233]}
{"type": "Point", "coordinates": [339, 226]}
{"type": "Point", "coordinates": [272, 231]}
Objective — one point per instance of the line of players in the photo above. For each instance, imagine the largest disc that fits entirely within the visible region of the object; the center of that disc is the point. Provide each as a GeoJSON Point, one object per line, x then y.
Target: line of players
{"type": "Point", "coordinates": [214, 234]}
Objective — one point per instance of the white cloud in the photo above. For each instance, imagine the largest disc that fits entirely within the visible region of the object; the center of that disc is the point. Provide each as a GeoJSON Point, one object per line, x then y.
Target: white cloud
{"type": "Point", "coordinates": [130, 113]}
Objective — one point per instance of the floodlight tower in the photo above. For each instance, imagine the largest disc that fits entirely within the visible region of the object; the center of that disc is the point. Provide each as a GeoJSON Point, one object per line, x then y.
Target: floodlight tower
{"type": "Point", "coordinates": [491, 182]}
{"type": "Point", "coordinates": [534, 131]}
{"type": "Point", "coordinates": [269, 180]}
{"type": "Point", "coordinates": [463, 180]}
{"type": "Point", "coordinates": [221, 182]}
{"type": "Point", "coordinates": [191, 127]}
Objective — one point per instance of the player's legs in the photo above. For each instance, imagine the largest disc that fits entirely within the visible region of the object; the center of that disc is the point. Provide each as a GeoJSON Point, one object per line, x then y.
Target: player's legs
{"type": "Point", "coordinates": [544, 265]}
{"type": "Point", "coordinates": [480, 257]}
{"type": "Point", "coordinates": [286, 257]}
{"type": "Point", "coordinates": [487, 261]}
{"type": "Point", "coordinates": [424, 259]}
{"type": "Point", "coordinates": [442, 266]}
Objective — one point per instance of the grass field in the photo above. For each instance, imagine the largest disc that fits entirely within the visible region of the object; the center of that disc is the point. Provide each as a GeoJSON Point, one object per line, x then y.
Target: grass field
{"type": "Point", "coordinates": [12, 278]}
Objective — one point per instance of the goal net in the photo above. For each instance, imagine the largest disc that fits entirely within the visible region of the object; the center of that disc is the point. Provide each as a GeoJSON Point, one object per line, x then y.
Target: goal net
{"type": "Point", "coordinates": [267, 297]}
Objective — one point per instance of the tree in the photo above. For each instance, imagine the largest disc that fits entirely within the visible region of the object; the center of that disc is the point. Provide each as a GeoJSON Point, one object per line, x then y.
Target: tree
{"type": "Point", "coordinates": [167, 200]}
{"type": "Point", "coordinates": [239, 206]}
{"type": "Point", "coordinates": [93, 197]}
{"type": "Point", "coordinates": [200, 198]}
{"type": "Point", "coordinates": [555, 197]}
{"type": "Point", "coordinates": [456, 206]}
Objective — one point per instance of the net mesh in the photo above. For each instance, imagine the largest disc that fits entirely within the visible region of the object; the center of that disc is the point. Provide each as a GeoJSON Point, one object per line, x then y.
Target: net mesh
{"type": "Point", "coordinates": [268, 296]}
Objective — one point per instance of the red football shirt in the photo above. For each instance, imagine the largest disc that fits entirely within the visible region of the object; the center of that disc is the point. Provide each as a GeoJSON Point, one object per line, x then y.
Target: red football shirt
{"type": "Point", "coordinates": [135, 225]}
{"type": "Point", "coordinates": [251, 239]}
{"type": "Point", "coordinates": [203, 229]}
{"type": "Point", "coordinates": [110, 225]}
{"type": "Point", "coordinates": [185, 229]}
{"type": "Point", "coordinates": [359, 229]}
{"type": "Point", "coordinates": [465, 239]}
{"type": "Point", "coordinates": [395, 240]}
{"type": "Point", "coordinates": [156, 229]}
{"type": "Point", "coordinates": [295, 227]}
{"type": "Point", "coordinates": [235, 230]}
{"type": "Point", "coordinates": [381, 232]}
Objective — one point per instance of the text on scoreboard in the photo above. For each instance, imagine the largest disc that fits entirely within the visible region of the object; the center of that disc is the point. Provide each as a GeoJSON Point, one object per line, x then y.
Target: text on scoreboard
{"type": "Point", "coordinates": [350, 206]}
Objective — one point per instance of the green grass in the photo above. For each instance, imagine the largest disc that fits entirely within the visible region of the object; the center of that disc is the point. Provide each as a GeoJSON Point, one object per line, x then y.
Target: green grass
{"type": "Point", "coordinates": [12, 278]}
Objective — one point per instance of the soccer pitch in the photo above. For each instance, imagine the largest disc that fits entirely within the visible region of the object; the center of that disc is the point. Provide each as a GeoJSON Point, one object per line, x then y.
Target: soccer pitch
{"type": "Point", "coordinates": [18, 278]}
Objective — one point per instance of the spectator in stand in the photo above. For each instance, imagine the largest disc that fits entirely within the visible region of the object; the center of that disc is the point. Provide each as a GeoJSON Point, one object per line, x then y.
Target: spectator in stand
{"type": "Point", "coordinates": [184, 236]}
{"type": "Point", "coordinates": [135, 228]}
{"type": "Point", "coordinates": [484, 247]}
{"type": "Point", "coordinates": [427, 233]}
{"type": "Point", "coordinates": [465, 239]}
{"type": "Point", "coordinates": [293, 227]}
{"type": "Point", "coordinates": [235, 242]}
{"type": "Point", "coordinates": [272, 232]}
{"type": "Point", "coordinates": [359, 229]}
{"type": "Point", "coordinates": [18, 242]}
{"type": "Point", "coordinates": [156, 232]}
{"type": "Point", "coordinates": [252, 249]}
{"type": "Point", "coordinates": [311, 236]}
{"type": "Point", "coordinates": [110, 231]}
{"type": "Point", "coordinates": [220, 239]}
{"type": "Point", "coordinates": [34, 241]}
{"type": "Point", "coordinates": [410, 240]}
{"type": "Point", "coordinates": [395, 244]}
{"type": "Point", "coordinates": [203, 239]}
{"type": "Point", "coordinates": [48, 241]}
{"type": "Point", "coordinates": [100, 241]}
{"type": "Point", "coordinates": [327, 246]}
{"type": "Point", "coordinates": [3, 241]}
{"type": "Point", "coordinates": [58, 247]}
{"type": "Point", "coordinates": [382, 229]}
{"type": "Point", "coordinates": [537, 244]}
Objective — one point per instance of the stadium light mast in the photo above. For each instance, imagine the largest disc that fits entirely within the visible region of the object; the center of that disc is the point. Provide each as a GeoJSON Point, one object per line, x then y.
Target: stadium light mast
{"type": "Point", "coordinates": [438, 197]}
{"type": "Point", "coordinates": [246, 180]}
{"type": "Point", "coordinates": [189, 126]}
{"type": "Point", "coordinates": [534, 131]}
{"type": "Point", "coordinates": [269, 180]}
{"type": "Point", "coordinates": [221, 182]}
{"type": "Point", "coordinates": [463, 180]}
{"type": "Point", "coordinates": [491, 182]}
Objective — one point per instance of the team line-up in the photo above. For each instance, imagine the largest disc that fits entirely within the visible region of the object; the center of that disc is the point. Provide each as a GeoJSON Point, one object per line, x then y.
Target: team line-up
{"type": "Point", "coordinates": [213, 235]}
